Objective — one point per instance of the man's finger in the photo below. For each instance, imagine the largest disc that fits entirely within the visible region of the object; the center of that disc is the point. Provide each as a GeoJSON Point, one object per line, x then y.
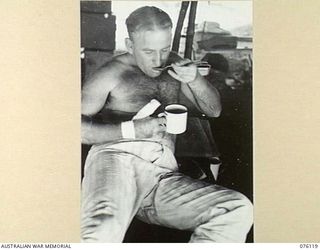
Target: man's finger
{"type": "Point", "coordinates": [182, 62]}
{"type": "Point", "coordinates": [181, 70]}
{"type": "Point", "coordinates": [162, 120]}
{"type": "Point", "coordinates": [174, 75]}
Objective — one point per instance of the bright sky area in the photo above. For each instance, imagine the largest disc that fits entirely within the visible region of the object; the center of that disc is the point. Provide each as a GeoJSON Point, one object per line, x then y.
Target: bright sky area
{"type": "Point", "coordinates": [229, 14]}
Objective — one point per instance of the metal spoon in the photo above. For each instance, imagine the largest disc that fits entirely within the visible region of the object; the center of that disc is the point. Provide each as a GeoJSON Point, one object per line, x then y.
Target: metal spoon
{"type": "Point", "coordinates": [197, 63]}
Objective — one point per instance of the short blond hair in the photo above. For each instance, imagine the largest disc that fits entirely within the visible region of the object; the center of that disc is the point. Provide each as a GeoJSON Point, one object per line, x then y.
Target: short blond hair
{"type": "Point", "coordinates": [147, 18]}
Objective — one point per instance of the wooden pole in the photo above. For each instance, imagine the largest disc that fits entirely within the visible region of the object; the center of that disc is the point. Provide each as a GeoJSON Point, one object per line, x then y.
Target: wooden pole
{"type": "Point", "coordinates": [190, 30]}
{"type": "Point", "coordinates": [177, 34]}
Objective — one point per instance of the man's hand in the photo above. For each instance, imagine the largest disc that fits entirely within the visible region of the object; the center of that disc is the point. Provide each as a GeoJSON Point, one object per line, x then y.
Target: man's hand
{"type": "Point", "coordinates": [150, 127]}
{"type": "Point", "coordinates": [184, 74]}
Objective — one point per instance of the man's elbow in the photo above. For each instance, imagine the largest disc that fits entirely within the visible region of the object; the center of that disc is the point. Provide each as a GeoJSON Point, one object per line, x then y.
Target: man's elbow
{"type": "Point", "coordinates": [86, 126]}
{"type": "Point", "coordinates": [85, 137]}
{"type": "Point", "coordinates": [214, 112]}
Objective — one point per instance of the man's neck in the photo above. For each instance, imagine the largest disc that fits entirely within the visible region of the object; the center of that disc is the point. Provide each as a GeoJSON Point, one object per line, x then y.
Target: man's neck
{"type": "Point", "coordinates": [131, 60]}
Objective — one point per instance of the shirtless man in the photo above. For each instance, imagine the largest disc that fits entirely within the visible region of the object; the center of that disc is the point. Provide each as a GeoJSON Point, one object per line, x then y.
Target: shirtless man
{"type": "Point", "coordinates": [134, 173]}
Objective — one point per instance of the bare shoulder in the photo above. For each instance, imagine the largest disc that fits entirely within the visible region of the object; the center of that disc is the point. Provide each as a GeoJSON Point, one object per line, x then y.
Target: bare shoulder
{"type": "Point", "coordinates": [97, 87]}
{"type": "Point", "coordinates": [126, 60]}
{"type": "Point", "coordinates": [106, 76]}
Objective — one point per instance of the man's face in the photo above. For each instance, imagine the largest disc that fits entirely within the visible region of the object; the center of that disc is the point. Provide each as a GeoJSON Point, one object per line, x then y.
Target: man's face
{"type": "Point", "coordinates": [151, 48]}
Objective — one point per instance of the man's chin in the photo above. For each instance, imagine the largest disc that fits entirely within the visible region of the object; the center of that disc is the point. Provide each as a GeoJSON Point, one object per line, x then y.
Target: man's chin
{"type": "Point", "coordinates": [154, 73]}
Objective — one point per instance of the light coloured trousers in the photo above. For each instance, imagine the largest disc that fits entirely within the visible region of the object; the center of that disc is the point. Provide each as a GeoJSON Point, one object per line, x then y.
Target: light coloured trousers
{"type": "Point", "coordinates": [140, 178]}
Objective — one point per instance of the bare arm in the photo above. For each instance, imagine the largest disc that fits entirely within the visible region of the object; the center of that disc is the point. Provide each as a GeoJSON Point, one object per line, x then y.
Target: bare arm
{"type": "Point", "coordinates": [197, 89]}
{"type": "Point", "coordinates": [93, 97]}
{"type": "Point", "coordinates": [203, 95]}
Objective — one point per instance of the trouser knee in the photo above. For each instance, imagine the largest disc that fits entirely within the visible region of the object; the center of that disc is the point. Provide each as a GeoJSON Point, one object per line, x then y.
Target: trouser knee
{"type": "Point", "coordinates": [245, 209]}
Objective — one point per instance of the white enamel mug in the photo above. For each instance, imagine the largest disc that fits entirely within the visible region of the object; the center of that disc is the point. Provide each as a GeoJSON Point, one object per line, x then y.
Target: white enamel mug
{"type": "Point", "coordinates": [176, 116]}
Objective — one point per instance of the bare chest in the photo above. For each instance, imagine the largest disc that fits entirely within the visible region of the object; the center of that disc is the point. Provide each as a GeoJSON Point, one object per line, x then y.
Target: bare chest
{"type": "Point", "coordinates": [135, 90]}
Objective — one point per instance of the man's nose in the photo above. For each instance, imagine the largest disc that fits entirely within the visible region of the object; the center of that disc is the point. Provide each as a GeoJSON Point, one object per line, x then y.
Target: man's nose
{"type": "Point", "coordinates": [157, 60]}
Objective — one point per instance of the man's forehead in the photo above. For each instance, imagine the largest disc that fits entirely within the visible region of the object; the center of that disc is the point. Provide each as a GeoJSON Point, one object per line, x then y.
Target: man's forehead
{"type": "Point", "coordinates": [149, 32]}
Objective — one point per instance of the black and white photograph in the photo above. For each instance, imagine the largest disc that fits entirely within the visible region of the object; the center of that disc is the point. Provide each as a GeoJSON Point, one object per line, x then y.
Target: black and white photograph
{"type": "Point", "coordinates": [167, 122]}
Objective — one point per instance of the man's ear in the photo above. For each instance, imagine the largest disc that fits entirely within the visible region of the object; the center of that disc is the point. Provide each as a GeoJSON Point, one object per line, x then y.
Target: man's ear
{"type": "Point", "coordinates": [129, 45]}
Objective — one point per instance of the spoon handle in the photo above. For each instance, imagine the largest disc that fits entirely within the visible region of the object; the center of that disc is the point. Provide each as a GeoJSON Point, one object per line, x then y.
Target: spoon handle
{"type": "Point", "coordinates": [197, 63]}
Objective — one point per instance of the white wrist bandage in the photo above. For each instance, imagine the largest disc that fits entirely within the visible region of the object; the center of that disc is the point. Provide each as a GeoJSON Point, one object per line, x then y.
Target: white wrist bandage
{"type": "Point", "coordinates": [127, 130]}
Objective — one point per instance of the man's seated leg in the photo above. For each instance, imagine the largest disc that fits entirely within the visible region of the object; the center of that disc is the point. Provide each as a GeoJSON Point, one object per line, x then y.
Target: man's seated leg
{"type": "Point", "coordinates": [212, 212]}
{"type": "Point", "coordinates": [113, 188]}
